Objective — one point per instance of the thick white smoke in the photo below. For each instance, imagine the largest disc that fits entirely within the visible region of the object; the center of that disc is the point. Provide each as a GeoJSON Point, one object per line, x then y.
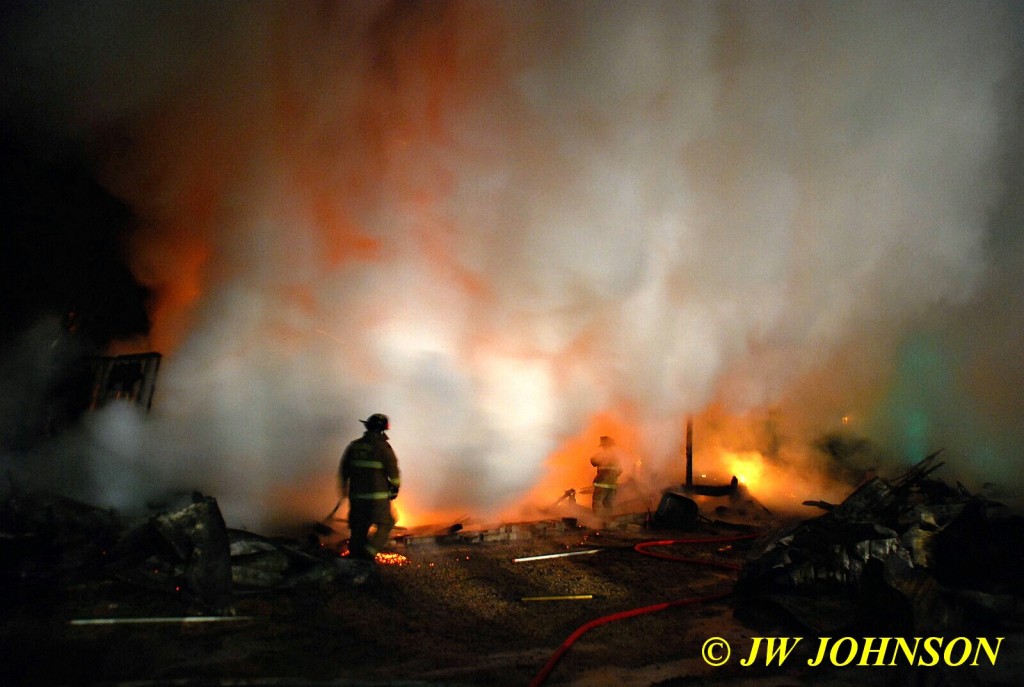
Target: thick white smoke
{"type": "Point", "coordinates": [494, 221]}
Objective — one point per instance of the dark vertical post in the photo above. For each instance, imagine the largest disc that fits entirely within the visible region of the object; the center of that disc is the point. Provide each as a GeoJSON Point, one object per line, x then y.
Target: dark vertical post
{"type": "Point", "coordinates": [689, 451]}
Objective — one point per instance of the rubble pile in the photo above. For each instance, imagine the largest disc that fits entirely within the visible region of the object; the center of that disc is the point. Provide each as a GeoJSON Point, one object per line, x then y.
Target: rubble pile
{"type": "Point", "coordinates": [51, 543]}
{"type": "Point", "coordinates": [898, 555]}
{"type": "Point", "coordinates": [46, 539]}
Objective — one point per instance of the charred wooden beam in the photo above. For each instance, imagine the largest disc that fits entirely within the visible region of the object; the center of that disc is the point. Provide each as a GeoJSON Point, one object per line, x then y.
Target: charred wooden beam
{"type": "Point", "coordinates": [689, 452]}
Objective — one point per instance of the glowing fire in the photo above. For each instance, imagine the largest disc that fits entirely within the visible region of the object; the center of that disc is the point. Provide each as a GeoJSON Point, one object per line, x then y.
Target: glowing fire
{"type": "Point", "coordinates": [748, 467]}
{"type": "Point", "coordinates": [777, 483]}
{"type": "Point", "coordinates": [384, 558]}
{"type": "Point", "coordinates": [391, 559]}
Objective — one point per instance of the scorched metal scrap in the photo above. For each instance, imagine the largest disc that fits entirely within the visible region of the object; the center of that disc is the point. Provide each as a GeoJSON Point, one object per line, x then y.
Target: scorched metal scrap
{"type": "Point", "coordinates": [913, 552]}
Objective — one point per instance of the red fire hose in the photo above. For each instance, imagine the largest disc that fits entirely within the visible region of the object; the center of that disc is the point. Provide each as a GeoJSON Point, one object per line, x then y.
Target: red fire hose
{"type": "Point", "coordinates": [642, 548]}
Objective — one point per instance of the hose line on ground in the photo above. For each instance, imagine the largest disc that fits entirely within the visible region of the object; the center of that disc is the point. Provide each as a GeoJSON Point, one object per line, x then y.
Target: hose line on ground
{"type": "Point", "coordinates": [642, 548]}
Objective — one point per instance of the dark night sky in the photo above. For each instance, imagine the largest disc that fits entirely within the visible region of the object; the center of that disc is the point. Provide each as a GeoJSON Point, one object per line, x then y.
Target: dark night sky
{"type": "Point", "coordinates": [62, 247]}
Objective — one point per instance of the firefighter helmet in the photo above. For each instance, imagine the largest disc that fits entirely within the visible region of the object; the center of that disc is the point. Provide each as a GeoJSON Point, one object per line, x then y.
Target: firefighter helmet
{"type": "Point", "coordinates": [377, 423]}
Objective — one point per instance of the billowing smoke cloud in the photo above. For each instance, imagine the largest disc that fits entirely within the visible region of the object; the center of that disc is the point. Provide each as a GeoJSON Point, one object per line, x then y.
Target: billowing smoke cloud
{"type": "Point", "coordinates": [494, 221]}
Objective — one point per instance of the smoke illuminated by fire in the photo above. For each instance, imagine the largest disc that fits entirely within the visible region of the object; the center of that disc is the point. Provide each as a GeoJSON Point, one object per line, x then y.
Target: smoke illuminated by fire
{"type": "Point", "coordinates": [515, 227]}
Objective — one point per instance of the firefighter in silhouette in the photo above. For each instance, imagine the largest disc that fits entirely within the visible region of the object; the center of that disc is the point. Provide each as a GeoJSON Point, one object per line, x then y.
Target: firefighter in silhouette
{"type": "Point", "coordinates": [608, 465]}
{"type": "Point", "coordinates": [370, 481]}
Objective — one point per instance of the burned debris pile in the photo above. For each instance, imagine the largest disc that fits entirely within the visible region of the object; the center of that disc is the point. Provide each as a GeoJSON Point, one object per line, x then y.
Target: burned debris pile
{"type": "Point", "coordinates": [52, 544]}
{"type": "Point", "coordinates": [186, 550]}
{"type": "Point", "coordinates": [46, 539]}
{"type": "Point", "coordinates": [898, 555]}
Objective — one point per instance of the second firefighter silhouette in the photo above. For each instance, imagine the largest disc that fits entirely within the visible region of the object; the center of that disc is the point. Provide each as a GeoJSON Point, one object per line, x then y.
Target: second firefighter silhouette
{"type": "Point", "coordinates": [370, 480]}
{"type": "Point", "coordinates": [609, 467]}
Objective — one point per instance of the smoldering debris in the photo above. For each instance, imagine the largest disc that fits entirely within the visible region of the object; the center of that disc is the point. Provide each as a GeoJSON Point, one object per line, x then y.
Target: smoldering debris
{"type": "Point", "coordinates": [45, 538]}
{"type": "Point", "coordinates": [912, 552]}
{"type": "Point", "coordinates": [52, 543]}
{"type": "Point", "coordinates": [902, 553]}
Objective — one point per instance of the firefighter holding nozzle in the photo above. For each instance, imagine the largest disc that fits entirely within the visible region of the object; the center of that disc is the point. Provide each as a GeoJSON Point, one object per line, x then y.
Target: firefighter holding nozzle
{"type": "Point", "coordinates": [370, 481]}
{"type": "Point", "coordinates": [608, 465]}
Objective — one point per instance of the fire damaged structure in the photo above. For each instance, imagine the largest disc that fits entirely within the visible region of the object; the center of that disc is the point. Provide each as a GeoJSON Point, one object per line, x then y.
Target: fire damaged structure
{"type": "Point", "coordinates": [130, 378]}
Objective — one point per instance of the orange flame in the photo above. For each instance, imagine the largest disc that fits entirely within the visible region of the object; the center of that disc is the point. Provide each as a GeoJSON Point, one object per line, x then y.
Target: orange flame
{"type": "Point", "coordinates": [748, 467]}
